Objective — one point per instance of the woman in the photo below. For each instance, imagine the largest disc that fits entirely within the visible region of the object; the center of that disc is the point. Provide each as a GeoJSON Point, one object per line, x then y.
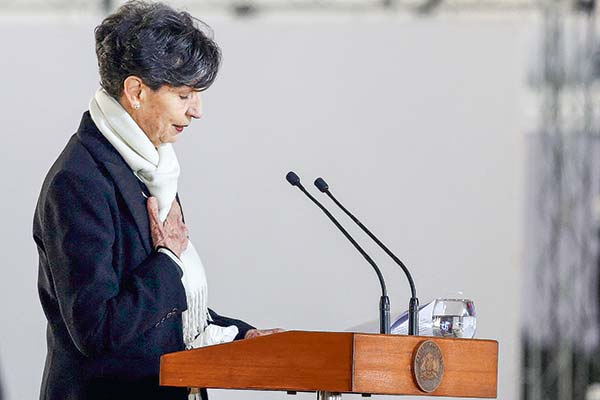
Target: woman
{"type": "Point", "coordinates": [119, 281]}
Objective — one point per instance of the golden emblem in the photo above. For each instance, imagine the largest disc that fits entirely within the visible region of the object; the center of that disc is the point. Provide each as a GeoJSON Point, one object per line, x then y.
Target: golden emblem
{"type": "Point", "coordinates": [428, 366]}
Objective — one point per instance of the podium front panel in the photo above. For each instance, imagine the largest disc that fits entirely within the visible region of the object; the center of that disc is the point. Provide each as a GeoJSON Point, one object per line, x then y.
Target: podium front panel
{"type": "Point", "coordinates": [383, 364]}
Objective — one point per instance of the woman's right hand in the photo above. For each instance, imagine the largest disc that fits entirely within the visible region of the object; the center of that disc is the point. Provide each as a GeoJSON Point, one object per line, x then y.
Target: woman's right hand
{"type": "Point", "coordinates": [252, 333]}
{"type": "Point", "coordinates": [172, 234]}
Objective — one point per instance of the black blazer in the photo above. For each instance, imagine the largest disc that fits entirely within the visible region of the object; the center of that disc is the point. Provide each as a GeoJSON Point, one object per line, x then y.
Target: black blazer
{"type": "Point", "coordinates": [113, 304]}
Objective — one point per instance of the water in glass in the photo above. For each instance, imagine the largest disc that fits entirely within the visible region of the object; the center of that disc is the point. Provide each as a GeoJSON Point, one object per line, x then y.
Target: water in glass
{"type": "Point", "coordinates": [454, 318]}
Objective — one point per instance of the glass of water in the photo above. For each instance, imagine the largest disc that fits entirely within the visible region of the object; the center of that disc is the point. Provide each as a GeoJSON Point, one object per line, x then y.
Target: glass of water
{"type": "Point", "coordinates": [454, 318]}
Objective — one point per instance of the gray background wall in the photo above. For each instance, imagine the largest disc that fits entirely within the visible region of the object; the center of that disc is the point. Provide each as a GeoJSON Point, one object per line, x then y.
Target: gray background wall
{"type": "Point", "coordinates": [417, 125]}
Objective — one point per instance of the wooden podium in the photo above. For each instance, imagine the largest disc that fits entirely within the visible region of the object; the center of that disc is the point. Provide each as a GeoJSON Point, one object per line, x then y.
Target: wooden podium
{"type": "Point", "coordinates": [331, 363]}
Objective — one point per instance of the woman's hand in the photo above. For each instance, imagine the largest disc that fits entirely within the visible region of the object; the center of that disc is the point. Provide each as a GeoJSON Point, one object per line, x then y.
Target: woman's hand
{"type": "Point", "coordinates": [252, 333]}
{"type": "Point", "coordinates": [172, 234]}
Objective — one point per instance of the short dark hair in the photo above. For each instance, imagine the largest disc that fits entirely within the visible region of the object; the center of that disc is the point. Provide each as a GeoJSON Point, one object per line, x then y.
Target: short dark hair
{"type": "Point", "coordinates": [160, 45]}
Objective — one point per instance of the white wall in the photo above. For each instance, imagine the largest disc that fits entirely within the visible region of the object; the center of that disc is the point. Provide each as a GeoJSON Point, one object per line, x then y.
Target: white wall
{"type": "Point", "coordinates": [415, 123]}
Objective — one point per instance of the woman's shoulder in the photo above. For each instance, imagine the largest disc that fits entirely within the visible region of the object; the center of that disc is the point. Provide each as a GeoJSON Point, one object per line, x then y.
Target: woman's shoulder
{"type": "Point", "coordinates": [75, 178]}
{"type": "Point", "coordinates": [76, 162]}
{"type": "Point", "coordinates": [76, 169]}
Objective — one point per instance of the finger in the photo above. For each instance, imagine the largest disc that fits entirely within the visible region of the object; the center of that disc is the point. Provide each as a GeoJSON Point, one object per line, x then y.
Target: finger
{"type": "Point", "coordinates": [152, 205]}
{"type": "Point", "coordinates": [176, 210]}
{"type": "Point", "coordinates": [251, 333]}
{"type": "Point", "coordinates": [265, 332]}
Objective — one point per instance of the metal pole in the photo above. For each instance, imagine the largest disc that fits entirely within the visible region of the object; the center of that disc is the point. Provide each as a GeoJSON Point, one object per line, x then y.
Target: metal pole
{"type": "Point", "coordinates": [324, 395]}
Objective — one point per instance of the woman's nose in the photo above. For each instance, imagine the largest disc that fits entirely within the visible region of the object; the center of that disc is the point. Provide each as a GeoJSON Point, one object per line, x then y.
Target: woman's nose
{"type": "Point", "coordinates": [195, 108]}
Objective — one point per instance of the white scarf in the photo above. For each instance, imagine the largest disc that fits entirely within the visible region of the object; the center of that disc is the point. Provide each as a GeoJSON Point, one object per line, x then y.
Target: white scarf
{"type": "Point", "coordinates": [158, 169]}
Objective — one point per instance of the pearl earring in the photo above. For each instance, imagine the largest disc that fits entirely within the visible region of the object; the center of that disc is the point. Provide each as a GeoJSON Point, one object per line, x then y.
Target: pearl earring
{"type": "Point", "coordinates": [136, 106]}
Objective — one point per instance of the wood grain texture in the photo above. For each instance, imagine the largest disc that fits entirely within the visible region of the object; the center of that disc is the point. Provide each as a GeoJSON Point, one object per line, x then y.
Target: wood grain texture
{"type": "Point", "coordinates": [383, 364]}
{"type": "Point", "coordinates": [335, 362]}
{"type": "Point", "coordinates": [300, 361]}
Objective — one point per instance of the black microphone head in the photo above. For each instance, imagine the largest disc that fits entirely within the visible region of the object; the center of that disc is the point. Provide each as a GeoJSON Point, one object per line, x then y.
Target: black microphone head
{"type": "Point", "coordinates": [321, 185]}
{"type": "Point", "coordinates": [292, 178]}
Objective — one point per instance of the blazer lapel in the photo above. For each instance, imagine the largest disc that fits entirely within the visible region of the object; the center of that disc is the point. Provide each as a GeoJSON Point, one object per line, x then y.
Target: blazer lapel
{"type": "Point", "coordinates": [126, 182]}
{"type": "Point", "coordinates": [134, 197]}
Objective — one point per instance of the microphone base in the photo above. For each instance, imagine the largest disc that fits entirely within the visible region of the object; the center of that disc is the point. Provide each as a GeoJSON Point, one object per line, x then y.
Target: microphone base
{"type": "Point", "coordinates": [413, 317]}
{"type": "Point", "coordinates": [384, 315]}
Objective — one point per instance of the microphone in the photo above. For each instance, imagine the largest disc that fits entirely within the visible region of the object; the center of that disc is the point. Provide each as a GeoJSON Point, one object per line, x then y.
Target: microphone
{"type": "Point", "coordinates": [413, 305]}
{"type": "Point", "coordinates": [384, 302]}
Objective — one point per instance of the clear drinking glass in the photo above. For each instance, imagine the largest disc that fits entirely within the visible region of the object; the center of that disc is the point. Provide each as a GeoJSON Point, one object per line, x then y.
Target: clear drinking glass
{"type": "Point", "coordinates": [454, 318]}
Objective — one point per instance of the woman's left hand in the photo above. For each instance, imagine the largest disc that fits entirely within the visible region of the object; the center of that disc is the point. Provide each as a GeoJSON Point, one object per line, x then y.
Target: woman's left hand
{"type": "Point", "coordinates": [252, 333]}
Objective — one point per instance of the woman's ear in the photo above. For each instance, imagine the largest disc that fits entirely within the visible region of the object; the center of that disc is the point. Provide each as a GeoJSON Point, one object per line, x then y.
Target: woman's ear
{"type": "Point", "coordinates": [132, 92]}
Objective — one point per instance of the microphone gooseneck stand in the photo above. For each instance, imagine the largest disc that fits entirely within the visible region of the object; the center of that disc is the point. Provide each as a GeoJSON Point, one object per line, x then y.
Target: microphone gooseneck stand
{"type": "Point", "coordinates": [413, 305]}
{"type": "Point", "coordinates": [384, 303]}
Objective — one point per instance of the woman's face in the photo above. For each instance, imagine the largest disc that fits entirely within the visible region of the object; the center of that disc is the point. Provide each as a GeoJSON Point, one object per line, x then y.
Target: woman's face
{"type": "Point", "coordinates": [164, 113]}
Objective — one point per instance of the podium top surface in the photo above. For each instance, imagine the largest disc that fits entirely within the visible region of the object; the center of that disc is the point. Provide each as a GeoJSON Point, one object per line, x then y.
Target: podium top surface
{"type": "Point", "coordinates": [336, 362]}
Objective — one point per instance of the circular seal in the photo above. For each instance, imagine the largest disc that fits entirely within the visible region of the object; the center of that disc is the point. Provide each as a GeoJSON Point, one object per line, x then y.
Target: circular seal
{"type": "Point", "coordinates": [428, 366]}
